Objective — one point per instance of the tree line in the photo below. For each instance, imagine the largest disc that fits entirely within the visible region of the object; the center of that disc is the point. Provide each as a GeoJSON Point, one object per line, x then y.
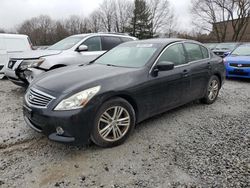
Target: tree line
{"type": "Point", "coordinates": [140, 18]}
{"type": "Point", "coordinates": [213, 19]}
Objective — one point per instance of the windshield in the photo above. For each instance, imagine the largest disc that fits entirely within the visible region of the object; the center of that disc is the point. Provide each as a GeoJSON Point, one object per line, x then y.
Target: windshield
{"type": "Point", "coordinates": [129, 55]}
{"type": "Point", "coordinates": [66, 43]}
{"type": "Point", "coordinates": [225, 46]}
{"type": "Point", "coordinates": [243, 50]}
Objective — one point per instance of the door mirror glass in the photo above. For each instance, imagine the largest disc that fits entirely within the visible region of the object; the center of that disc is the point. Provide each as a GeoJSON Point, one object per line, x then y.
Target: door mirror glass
{"type": "Point", "coordinates": [165, 66]}
{"type": "Point", "coordinates": [82, 48]}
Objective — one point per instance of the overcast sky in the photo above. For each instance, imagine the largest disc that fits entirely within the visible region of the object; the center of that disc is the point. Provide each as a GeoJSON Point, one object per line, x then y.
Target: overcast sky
{"type": "Point", "coordinates": [13, 12]}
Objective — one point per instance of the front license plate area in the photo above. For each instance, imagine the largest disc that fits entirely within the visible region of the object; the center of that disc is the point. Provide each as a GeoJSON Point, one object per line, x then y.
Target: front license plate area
{"type": "Point", "coordinates": [238, 70]}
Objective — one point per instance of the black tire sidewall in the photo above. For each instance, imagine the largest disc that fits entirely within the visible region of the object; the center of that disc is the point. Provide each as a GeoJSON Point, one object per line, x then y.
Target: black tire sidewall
{"type": "Point", "coordinates": [206, 98]}
{"type": "Point", "coordinates": [95, 136]}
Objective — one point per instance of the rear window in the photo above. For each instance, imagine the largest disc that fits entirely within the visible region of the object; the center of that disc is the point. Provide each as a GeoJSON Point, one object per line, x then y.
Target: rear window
{"type": "Point", "coordinates": [16, 44]}
{"type": "Point", "coordinates": [110, 42]}
{"type": "Point", "coordinates": [204, 52]}
{"type": "Point", "coordinates": [126, 39]}
{"type": "Point", "coordinates": [193, 51]}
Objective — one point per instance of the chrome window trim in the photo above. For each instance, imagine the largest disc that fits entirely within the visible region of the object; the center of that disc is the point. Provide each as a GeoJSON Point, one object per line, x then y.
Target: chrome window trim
{"type": "Point", "coordinates": [188, 63]}
{"type": "Point", "coordinates": [41, 92]}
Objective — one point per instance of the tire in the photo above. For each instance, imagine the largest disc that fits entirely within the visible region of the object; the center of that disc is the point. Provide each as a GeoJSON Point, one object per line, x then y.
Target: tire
{"type": "Point", "coordinates": [113, 123]}
{"type": "Point", "coordinates": [212, 90]}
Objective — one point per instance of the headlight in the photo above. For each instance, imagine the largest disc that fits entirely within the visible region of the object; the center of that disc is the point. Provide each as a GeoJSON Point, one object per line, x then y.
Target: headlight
{"type": "Point", "coordinates": [78, 100]}
{"type": "Point", "coordinates": [31, 63]}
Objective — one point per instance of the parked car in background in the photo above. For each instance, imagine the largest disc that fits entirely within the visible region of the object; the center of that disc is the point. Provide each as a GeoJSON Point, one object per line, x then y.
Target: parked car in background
{"type": "Point", "coordinates": [211, 46]}
{"type": "Point", "coordinates": [102, 102]}
{"type": "Point", "coordinates": [224, 48]}
{"type": "Point", "coordinates": [10, 44]}
{"type": "Point", "coordinates": [76, 49]}
{"type": "Point", "coordinates": [238, 62]}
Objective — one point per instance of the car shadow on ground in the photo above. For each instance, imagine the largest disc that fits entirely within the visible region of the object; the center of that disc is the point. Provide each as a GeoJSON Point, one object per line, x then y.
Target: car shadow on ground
{"type": "Point", "coordinates": [244, 80]}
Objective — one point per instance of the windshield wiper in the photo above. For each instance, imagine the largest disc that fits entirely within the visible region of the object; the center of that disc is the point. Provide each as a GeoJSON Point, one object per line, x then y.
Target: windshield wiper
{"type": "Point", "coordinates": [111, 65]}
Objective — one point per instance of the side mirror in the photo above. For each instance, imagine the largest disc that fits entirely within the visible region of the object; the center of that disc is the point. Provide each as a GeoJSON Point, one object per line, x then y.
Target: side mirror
{"type": "Point", "coordinates": [163, 66]}
{"type": "Point", "coordinates": [82, 48]}
{"type": "Point", "coordinates": [226, 54]}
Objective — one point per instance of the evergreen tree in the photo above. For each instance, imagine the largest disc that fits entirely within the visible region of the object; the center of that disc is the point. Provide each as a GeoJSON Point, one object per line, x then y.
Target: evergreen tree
{"type": "Point", "coordinates": [141, 23]}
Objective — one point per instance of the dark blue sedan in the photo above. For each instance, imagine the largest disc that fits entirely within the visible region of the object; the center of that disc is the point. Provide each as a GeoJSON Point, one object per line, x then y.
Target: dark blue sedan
{"type": "Point", "coordinates": [238, 62]}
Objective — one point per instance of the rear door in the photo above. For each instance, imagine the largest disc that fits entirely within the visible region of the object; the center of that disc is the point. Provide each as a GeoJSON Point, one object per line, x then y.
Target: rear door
{"type": "Point", "coordinates": [200, 68]}
{"type": "Point", "coordinates": [109, 42]}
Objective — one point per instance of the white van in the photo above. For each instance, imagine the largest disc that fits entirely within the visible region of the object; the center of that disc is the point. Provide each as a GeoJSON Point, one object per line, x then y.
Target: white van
{"type": "Point", "coordinates": [10, 44]}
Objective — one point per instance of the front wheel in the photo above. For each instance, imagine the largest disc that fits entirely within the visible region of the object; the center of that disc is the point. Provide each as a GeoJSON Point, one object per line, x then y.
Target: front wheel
{"type": "Point", "coordinates": [212, 90]}
{"type": "Point", "coordinates": [113, 123]}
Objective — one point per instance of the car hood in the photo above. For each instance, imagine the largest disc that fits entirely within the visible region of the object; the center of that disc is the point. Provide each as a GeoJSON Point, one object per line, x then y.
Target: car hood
{"type": "Point", "coordinates": [221, 50]}
{"type": "Point", "coordinates": [73, 78]}
{"type": "Point", "coordinates": [34, 54]}
{"type": "Point", "coordinates": [238, 59]}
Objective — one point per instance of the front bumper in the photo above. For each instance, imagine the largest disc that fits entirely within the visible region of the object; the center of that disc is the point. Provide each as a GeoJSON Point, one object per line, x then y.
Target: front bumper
{"type": "Point", "coordinates": [235, 72]}
{"type": "Point", "coordinates": [76, 124]}
{"type": "Point", "coordinates": [11, 74]}
{"type": "Point", "coordinates": [32, 73]}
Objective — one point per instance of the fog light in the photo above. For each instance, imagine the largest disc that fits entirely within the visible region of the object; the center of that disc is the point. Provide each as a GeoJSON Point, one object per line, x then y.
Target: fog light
{"type": "Point", "coordinates": [59, 131]}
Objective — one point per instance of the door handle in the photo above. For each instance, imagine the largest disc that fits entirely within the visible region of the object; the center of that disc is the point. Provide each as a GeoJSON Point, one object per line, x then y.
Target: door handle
{"type": "Point", "coordinates": [209, 65]}
{"type": "Point", "coordinates": [185, 73]}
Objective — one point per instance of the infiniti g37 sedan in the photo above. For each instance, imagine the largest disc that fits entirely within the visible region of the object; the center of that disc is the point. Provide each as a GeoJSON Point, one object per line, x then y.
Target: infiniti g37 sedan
{"type": "Point", "coordinates": [103, 101]}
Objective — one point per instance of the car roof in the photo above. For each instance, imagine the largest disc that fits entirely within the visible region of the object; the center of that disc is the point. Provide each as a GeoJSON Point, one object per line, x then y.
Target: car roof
{"type": "Point", "coordinates": [6, 35]}
{"type": "Point", "coordinates": [164, 41]}
{"type": "Point", "coordinates": [104, 34]}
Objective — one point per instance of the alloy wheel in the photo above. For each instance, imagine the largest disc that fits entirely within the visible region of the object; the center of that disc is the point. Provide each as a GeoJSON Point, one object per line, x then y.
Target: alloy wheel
{"type": "Point", "coordinates": [213, 89]}
{"type": "Point", "coordinates": [114, 123]}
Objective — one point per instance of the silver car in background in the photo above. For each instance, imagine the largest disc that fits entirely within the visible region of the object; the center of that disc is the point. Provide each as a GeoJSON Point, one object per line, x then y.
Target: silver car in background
{"type": "Point", "coordinates": [77, 49]}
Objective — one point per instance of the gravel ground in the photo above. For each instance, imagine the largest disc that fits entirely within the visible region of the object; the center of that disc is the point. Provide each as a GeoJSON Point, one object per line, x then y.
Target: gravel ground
{"type": "Point", "coordinates": [192, 146]}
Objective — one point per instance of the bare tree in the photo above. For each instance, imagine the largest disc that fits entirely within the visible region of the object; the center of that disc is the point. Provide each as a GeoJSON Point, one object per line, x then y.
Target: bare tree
{"type": "Point", "coordinates": [123, 14]}
{"type": "Point", "coordinates": [107, 12]}
{"type": "Point", "coordinates": [76, 25]}
{"type": "Point", "coordinates": [160, 15]}
{"type": "Point", "coordinates": [94, 22]}
{"type": "Point", "coordinates": [2, 30]}
{"type": "Point", "coordinates": [239, 11]}
{"type": "Point", "coordinates": [207, 13]}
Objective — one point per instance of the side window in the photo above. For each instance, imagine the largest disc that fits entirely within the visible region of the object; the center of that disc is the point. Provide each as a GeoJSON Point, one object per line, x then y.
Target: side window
{"type": "Point", "coordinates": [193, 51]}
{"type": "Point", "coordinates": [175, 54]}
{"type": "Point", "coordinates": [93, 43]}
{"type": "Point", "coordinates": [16, 44]}
{"type": "Point", "coordinates": [125, 39]}
{"type": "Point", "coordinates": [110, 42]}
{"type": "Point", "coordinates": [204, 52]}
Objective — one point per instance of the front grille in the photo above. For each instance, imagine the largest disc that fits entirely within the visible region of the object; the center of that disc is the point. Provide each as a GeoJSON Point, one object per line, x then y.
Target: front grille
{"type": "Point", "coordinates": [37, 98]}
{"type": "Point", "coordinates": [238, 73]}
{"type": "Point", "coordinates": [239, 65]}
{"type": "Point", "coordinates": [219, 53]}
{"type": "Point", "coordinates": [11, 63]}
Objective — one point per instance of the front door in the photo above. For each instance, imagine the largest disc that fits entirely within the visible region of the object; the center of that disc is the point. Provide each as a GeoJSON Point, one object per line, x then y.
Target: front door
{"type": "Point", "coordinates": [166, 90]}
{"type": "Point", "coordinates": [94, 49]}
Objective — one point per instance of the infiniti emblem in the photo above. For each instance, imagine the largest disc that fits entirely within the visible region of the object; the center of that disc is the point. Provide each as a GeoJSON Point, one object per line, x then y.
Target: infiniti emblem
{"type": "Point", "coordinates": [31, 97]}
{"type": "Point", "coordinates": [239, 65]}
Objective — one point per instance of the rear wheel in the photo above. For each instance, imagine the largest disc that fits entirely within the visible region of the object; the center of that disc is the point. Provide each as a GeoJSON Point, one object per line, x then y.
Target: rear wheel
{"type": "Point", "coordinates": [212, 90]}
{"type": "Point", "coordinates": [113, 123]}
